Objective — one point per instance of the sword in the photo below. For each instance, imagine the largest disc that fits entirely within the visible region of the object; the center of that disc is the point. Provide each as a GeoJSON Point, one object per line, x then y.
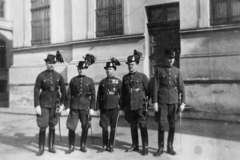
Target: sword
{"type": "Point", "coordinates": [89, 123]}
{"type": "Point", "coordinates": [59, 126]}
{"type": "Point", "coordinates": [115, 130]}
{"type": "Point", "coordinates": [180, 114]}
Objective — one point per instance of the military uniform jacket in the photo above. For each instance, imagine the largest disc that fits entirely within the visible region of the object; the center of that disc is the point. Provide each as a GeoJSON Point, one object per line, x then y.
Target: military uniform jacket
{"type": "Point", "coordinates": [134, 89]}
{"type": "Point", "coordinates": [81, 93]}
{"type": "Point", "coordinates": [109, 93]}
{"type": "Point", "coordinates": [49, 82]}
{"type": "Point", "coordinates": [168, 84]}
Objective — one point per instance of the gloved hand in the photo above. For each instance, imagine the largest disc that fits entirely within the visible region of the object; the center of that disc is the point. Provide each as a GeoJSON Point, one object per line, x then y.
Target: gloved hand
{"type": "Point", "coordinates": [98, 112]}
{"type": "Point", "coordinates": [61, 107]}
{"type": "Point", "coordinates": [38, 110]}
{"type": "Point", "coordinates": [68, 111]}
{"type": "Point", "coordinates": [121, 113]}
{"type": "Point", "coordinates": [182, 107]}
{"type": "Point", "coordinates": [91, 112]}
{"type": "Point", "coordinates": [155, 106]}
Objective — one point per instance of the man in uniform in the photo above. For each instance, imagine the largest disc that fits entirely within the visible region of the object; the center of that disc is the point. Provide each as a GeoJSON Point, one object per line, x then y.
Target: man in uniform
{"type": "Point", "coordinates": [48, 103]}
{"type": "Point", "coordinates": [80, 104]}
{"type": "Point", "coordinates": [134, 91]}
{"type": "Point", "coordinates": [168, 85]}
{"type": "Point", "coordinates": [108, 102]}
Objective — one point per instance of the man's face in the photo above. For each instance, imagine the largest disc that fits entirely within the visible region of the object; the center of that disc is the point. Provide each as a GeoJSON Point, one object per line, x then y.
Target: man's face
{"type": "Point", "coordinates": [50, 66]}
{"type": "Point", "coordinates": [81, 71]}
{"type": "Point", "coordinates": [132, 67]}
{"type": "Point", "coordinates": [169, 61]}
{"type": "Point", "coordinates": [110, 71]}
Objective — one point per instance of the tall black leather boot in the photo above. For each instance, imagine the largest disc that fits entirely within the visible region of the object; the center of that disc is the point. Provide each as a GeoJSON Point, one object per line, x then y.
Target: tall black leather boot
{"type": "Point", "coordinates": [83, 140]}
{"type": "Point", "coordinates": [144, 134]}
{"type": "Point", "coordinates": [41, 142]}
{"type": "Point", "coordinates": [170, 141]}
{"type": "Point", "coordinates": [51, 140]}
{"type": "Point", "coordinates": [111, 141]}
{"type": "Point", "coordinates": [134, 134]}
{"type": "Point", "coordinates": [105, 141]}
{"type": "Point", "coordinates": [160, 141]}
{"type": "Point", "coordinates": [71, 139]}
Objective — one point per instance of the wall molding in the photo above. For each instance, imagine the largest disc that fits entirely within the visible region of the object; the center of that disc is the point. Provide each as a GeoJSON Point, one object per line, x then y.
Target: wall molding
{"type": "Point", "coordinates": [102, 39]}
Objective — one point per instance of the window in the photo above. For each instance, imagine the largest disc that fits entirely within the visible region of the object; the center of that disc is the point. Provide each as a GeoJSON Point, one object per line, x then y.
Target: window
{"type": "Point", "coordinates": [2, 8]}
{"type": "Point", "coordinates": [3, 86]}
{"type": "Point", "coordinates": [225, 11]}
{"type": "Point", "coordinates": [2, 54]}
{"type": "Point", "coordinates": [109, 18]}
{"type": "Point", "coordinates": [40, 22]}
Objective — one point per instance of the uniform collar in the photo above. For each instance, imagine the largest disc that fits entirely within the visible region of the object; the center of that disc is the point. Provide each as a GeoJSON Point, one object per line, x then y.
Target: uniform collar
{"type": "Point", "coordinates": [81, 76]}
{"type": "Point", "coordinates": [132, 73]}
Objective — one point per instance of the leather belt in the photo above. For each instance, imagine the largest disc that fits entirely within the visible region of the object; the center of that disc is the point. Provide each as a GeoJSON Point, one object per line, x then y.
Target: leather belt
{"type": "Point", "coordinates": [167, 86]}
{"type": "Point", "coordinates": [131, 90]}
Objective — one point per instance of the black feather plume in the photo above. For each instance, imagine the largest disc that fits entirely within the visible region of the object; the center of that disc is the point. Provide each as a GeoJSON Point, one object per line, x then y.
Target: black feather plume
{"type": "Point", "coordinates": [89, 59]}
{"type": "Point", "coordinates": [59, 57]}
{"type": "Point", "coordinates": [137, 54]}
{"type": "Point", "coordinates": [115, 61]}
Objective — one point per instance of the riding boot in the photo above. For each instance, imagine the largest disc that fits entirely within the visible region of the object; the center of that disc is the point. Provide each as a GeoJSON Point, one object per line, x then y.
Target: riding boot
{"type": "Point", "coordinates": [41, 142]}
{"type": "Point", "coordinates": [71, 139]}
{"type": "Point", "coordinates": [51, 139]}
{"type": "Point", "coordinates": [83, 140]}
{"type": "Point", "coordinates": [160, 142]}
{"type": "Point", "coordinates": [144, 135]}
{"type": "Point", "coordinates": [111, 141]}
{"type": "Point", "coordinates": [134, 134]}
{"type": "Point", "coordinates": [170, 141]}
{"type": "Point", "coordinates": [105, 141]}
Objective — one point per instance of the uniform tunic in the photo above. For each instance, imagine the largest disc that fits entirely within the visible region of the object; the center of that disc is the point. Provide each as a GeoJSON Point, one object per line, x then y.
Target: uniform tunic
{"type": "Point", "coordinates": [49, 83]}
{"type": "Point", "coordinates": [168, 84]}
{"type": "Point", "coordinates": [108, 101]}
{"type": "Point", "coordinates": [134, 89]}
{"type": "Point", "coordinates": [81, 96]}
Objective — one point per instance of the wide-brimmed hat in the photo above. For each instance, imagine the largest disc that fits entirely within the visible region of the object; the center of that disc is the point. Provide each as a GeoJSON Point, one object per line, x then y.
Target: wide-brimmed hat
{"type": "Point", "coordinates": [113, 63]}
{"type": "Point", "coordinates": [54, 58]}
{"type": "Point", "coordinates": [51, 58]}
{"type": "Point", "coordinates": [89, 59]}
{"type": "Point", "coordinates": [82, 65]}
{"type": "Point", "coordinates": [135, 57]}
{"type": "Point", "coordinates": [170, 53]}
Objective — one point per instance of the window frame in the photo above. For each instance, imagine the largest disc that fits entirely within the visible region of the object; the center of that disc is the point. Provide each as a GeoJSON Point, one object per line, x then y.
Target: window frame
{"type": "Point", "coordinates": [229, 19]}
{"type": "Point", "coordinates": [40, 22]}
{"type": "Point", "coordinates": [106, 10]}
{"type": "Point", "coordinates": [2, 8]}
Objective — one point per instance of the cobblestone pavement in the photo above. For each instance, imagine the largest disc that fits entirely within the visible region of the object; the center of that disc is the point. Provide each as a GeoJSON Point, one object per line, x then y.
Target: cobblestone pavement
{"type": "Point", "coordinates": [194, 140]}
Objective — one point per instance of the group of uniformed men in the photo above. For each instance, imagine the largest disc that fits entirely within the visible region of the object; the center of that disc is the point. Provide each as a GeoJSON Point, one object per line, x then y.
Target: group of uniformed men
{"type": "Point", "coordinates": [128, 98]}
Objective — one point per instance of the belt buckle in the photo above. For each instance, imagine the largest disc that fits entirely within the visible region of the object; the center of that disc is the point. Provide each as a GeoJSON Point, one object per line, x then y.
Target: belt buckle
{"type": "Point", "coordinates": [52, 88]}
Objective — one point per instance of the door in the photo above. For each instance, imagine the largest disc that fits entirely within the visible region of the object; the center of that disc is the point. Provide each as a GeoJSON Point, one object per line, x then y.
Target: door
{"type": "Point", "coordinates": [164, 34]}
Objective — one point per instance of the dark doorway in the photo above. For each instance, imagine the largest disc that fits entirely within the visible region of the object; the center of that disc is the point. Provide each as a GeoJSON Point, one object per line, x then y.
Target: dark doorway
{"type": "Point", "coordinates": [163, 26]}
{"type": "Point", "coordinates": [2, 54]}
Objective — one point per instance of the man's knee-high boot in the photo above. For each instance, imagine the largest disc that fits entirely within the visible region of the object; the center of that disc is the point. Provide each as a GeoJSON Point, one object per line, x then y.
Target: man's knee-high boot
{"type": "Point", "coordinates": [111, 140]}
{"type": "Point", "coordinates": [105, 141]}
{"type": "Point", "coordinates": [160, 141]}
{"type": "Point", "coordinates": [71, 139]}
{"type": "Point", "coordinates": [51, 140]}
{"type": "Point", "coordinates": [41, 142]}
{"type": "Point", "coordinates": [170, 141]}
{"type": "Point", "coordinates": [83, 140]}
{"type": "Point", "coordinates": [144, 134]}
{"type": "Point", "coordinates": [134, 134]}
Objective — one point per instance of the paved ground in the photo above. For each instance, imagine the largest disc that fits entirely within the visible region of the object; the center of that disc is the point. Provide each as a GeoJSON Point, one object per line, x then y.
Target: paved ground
{"type": "Point", "coordinates": [195, 140]}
